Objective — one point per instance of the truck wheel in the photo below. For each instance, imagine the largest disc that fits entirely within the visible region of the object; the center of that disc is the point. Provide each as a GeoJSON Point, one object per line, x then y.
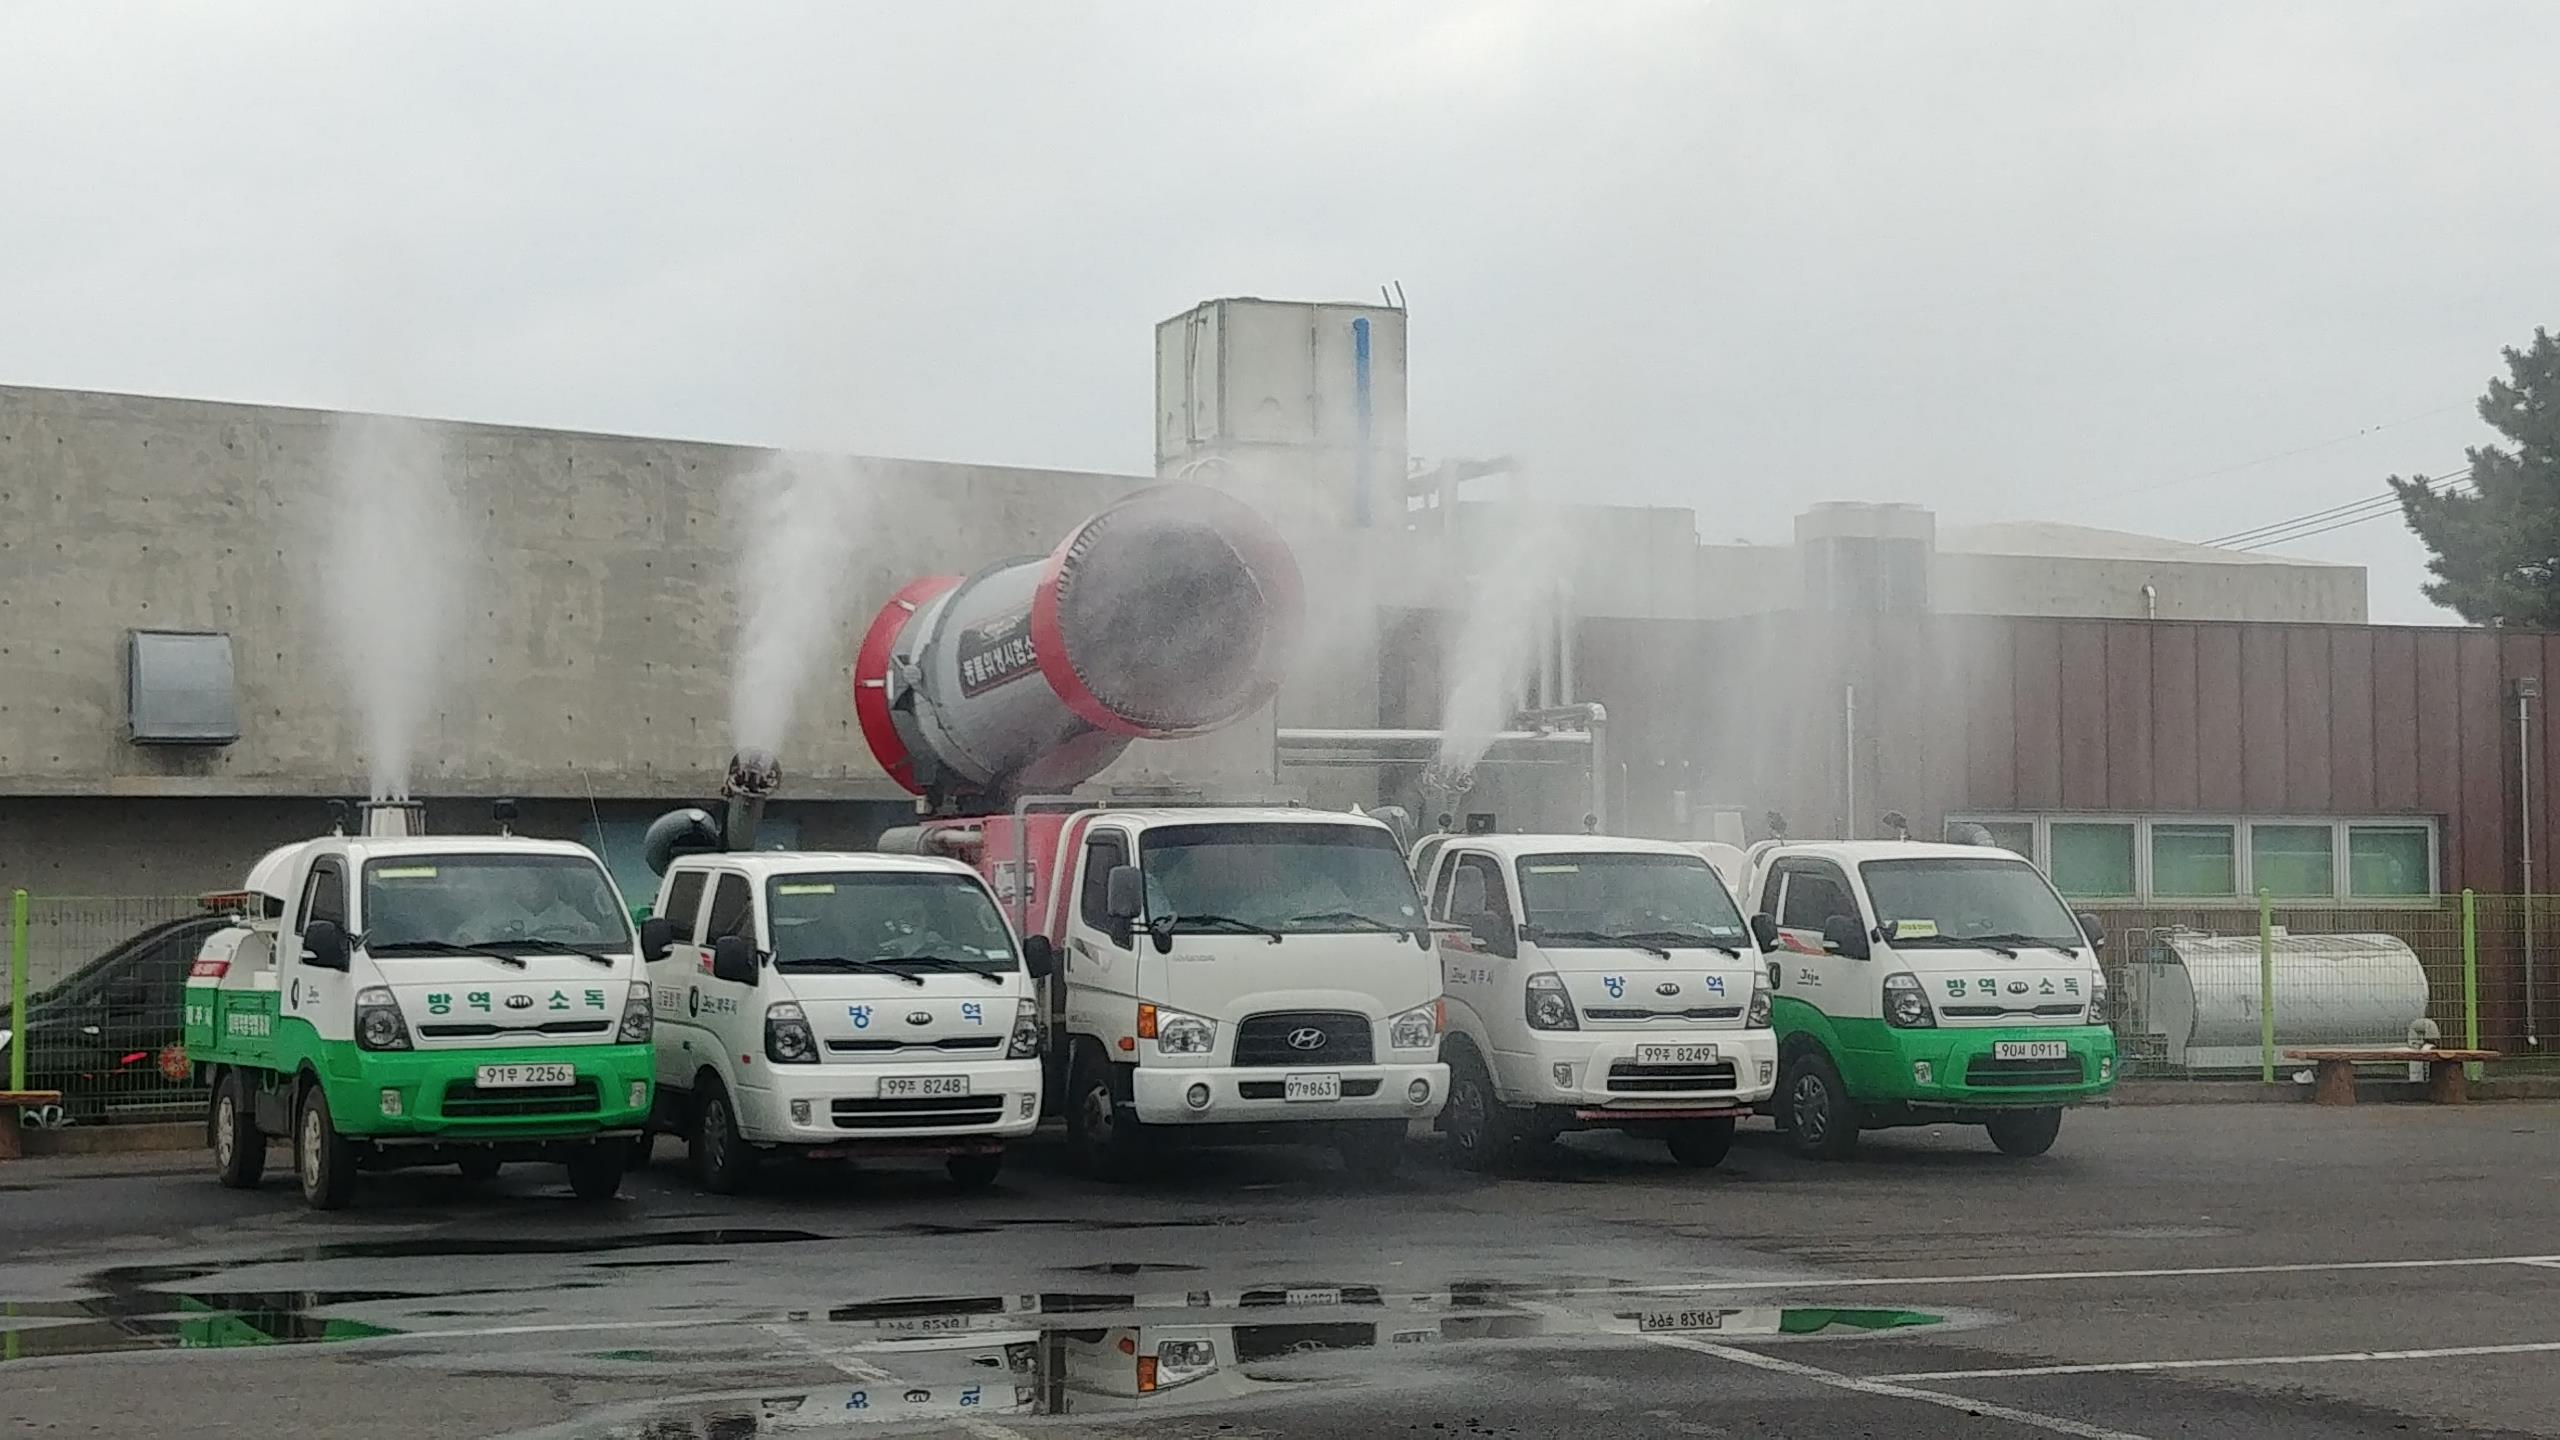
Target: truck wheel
{"type": "Point", "coordinates": [1103, 1141]}
{"type": "Point", "coordinates": [2026, 1132]}
{"type": "Point", "coordinates": [1816, 1107]}
{"type": "Point", "coordinates": [1483, 1131]}
{"type": "Point", "coordinates": [1371, 1149]}
{"type": "Point", "coordinates": [974, 1172]}
{"type": "Point", "coordinates": [595, 1170]}
{"type": "Point", "coordinates": [480, 1169]}
{"type": "Point", "coordinates": [1701, 1144]}
{"type": "Point", "coordinates": [644, 1149]}
{"type": "Point", "coordinates": [239, 1146]}
{"type": "Point", "coordinates": [322, 1159]}
{"type": "Point", "coordinates": [723, 1162]}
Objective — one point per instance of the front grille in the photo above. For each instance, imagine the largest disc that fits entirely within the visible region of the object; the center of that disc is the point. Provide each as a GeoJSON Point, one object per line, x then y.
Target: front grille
{"type": "Point", "coordinates": [1980, 1012]}
{"type": "Point", "coordinates": [1279, 1089]}
{"type": "Point", "coordinates": [467, 1101]}
{"type": "Point", "coordinates": [1702, 1012]}
{"type": "Point", "coordinates": [482, 1031]}
{"type": "Point", "coordinates": [1628, 1078]}
{"type": "Point", "coordinates": [1264, 1039]}
{"type": "Point", "coordinates": [1983, 1070]}
{"type": "Point", "coordinates": [883, 1047]}
{"type": "Point", "coordinates": [933, 1112]}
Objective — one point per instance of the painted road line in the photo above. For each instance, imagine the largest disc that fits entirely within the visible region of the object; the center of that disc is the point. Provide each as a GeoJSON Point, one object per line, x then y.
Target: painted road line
{"type": "Point", "coordinates": [2031, 1277]}
{"type": "Point", "coordinates": [846, 1362]}
{"type": "Point", "coordinates": [2127, 1367]}
{"type": "Point", "coordinates": [1890, 1390]}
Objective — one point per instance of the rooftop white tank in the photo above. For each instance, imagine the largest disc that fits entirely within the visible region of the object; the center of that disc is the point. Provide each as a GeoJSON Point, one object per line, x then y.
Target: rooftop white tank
{"type": "Point", "coordinates": [2198, 994]}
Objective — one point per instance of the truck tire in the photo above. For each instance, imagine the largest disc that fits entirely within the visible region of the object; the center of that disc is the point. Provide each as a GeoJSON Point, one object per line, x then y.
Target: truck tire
{"type": "Point", "coordinates": [974, 1172]}
{"type": "Point", "coordinates": [1371, 1149]}
{"type": "Point", "coordinates": [1485, 1135]}
{"type": "Point", "coordinates": [1814, 1107]}
{"type": "Point", "coordinates": [595, 1170]}
{"type": "Point", "coordinates": [1701, 1144]}
{"type": "Point", "coordinates": [1104, 1141]}
{"type": "Point", "coordinates": [644, 1149]}
{"type": "Point", "coordinates": [723, 1162]}
{"type": "Point", "coordinates": [323, 1161]}
{"type": "Point", "coordinates": [239, 1146]}
{"type": "Point", "coordinates": [2026, 1133]}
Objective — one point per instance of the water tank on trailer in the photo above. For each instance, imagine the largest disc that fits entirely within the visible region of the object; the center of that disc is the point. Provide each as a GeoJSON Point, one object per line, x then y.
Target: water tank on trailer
{"type": "Point", "coordinates": [2194, 997]}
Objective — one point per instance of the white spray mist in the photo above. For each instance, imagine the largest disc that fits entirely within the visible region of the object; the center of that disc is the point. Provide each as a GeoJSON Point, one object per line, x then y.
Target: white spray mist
{"type": "Point", "coordinates": [799, 519]}
{"type": "Point", "coordinates": [393, 558]}
{"type": "Point", "coordinates": [1510, 598]}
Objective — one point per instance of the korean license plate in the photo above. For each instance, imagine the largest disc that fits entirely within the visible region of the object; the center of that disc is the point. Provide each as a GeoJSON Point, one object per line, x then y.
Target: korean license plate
{"type": "Point", "coordinates": [524, 1077]}
{"type": "Point", "coordinates": [1675, 1054]}
{"type": "Point", "coordinates": [923, 1087]}
{"type": "Point", "coordinates": [1652, 1320]}
{"type": "Point", "coordinates": [2030, 1050]}
{"type": "Point", "coordinates": [1311, 1087]}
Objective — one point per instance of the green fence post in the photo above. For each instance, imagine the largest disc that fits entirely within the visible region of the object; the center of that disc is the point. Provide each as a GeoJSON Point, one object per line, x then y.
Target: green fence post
{"type": "Point", "coordinates": [2266, 988]}
{"type": "Point", "coordinates": [18, 990]}
{"type": "Point", "coordinates": [2470, 980]}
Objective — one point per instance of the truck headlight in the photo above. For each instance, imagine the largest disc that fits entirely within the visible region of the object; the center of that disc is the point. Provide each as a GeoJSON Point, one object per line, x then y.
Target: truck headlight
{"type": "Point", "coordinates": [2097, 995]}
{"type": "Point", "coordinates": [1905, 1007]}
{"type": "Point", "coordinates": [787, 1037]}
{"type": "Point", "coordinates": [379, 1025]}
{"type": "Point", "coordinates": [638, 1021]}
{"type": "Point", "coordinates": [1177, 1362]}
{"type": "Point", "coordinates": [1756, 1017]}
{"type": "Point", "coordinates": [1549, 1008]}
{"type": "Point", "coordinates": [1180, 1034]}
{"type": "Point", "coordinates": [1416, 1029]}
{"type": "Point", "coordinates": [1026, 1032]}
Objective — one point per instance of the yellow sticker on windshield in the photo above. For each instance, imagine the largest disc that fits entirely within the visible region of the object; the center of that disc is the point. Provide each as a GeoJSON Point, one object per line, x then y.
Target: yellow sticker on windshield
{"type": "Point", "coordinates": [1914, 929]}
{"type": "Point", "coordinates": [804, 889]}
{"type": "Point", "coordinates": [1555, 869]}
{"type": "Point", "coordinates": [407, 872]}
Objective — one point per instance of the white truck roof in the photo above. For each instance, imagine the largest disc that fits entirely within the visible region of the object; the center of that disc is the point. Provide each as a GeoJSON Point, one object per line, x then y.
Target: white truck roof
{"type": "Point", "coordinates": [1511, 847]}
{"type": "Point", "coordinates": [1849, 854]}
{"type": "Point", "coordinates": [760, 864]}
{"type": "Point", "coordinates": [1142, 817]}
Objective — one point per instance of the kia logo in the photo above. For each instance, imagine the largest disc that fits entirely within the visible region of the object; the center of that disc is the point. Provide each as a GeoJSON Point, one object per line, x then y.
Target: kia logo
{"type": "Point", "coordinates": [1306, 1037]}
{"type": "Point", "coordinates": [1667, 987]}
{"type": "Point", "coordinates": [2017, 987]}
{"type": "Point", "coordinates": [919, 1017]}
{"type": "Point", "coordinates": [519, 1002]}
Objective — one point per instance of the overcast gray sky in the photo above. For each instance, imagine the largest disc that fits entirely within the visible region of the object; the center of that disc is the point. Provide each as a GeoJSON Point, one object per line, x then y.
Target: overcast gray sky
{"type": "Point", "coordinates": [2079, 262]}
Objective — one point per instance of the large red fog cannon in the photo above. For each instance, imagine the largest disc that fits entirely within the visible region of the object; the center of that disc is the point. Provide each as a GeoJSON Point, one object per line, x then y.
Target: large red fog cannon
{"type": "Point", "coordinates": [1171, 613]}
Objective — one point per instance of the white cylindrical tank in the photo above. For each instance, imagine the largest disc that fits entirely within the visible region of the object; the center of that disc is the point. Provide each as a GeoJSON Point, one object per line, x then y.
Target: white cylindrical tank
{"type": "Point", "coordinates": [2201, 994]}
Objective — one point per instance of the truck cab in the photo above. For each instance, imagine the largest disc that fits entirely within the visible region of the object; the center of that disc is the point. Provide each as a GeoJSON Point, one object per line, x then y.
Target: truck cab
{"type": "Point", "coordinates": [827, 1005]}
{"type": "Point", "coordinates": [1227, 973]}
{"type": "Point", "coordinates": [1924, 983]}
{"type": "Point", "coordinates": [467, 1000]}
{"type": "Point", "coordinates": [1595, 983]}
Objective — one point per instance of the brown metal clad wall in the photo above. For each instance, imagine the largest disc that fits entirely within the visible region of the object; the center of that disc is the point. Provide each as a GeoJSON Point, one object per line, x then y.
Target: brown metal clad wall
{"type": "Point", "coordinates": [2130, 692]}
{"type": "Point", "coordinates": [2084, 715]}
{"type": "Point", "coordinates": [2175, 764]}
{"type": "Point", "coordinates": [2351, 747]}
{"type": "Point", "coordinates": [2039, 725]}
{"type": "Point", "coordinates": [2262, 715]}
{"type": "Point", "coordinates": [2395, 721]}
{"type": "Point", "coordinates": [2309, 711]}
{"type": "Point", "coordinates": [2481, 820]}
{"type": "Point", "coordinates": [1991, 725]}
{"type": "Point", "coordinates": [2218, 719]}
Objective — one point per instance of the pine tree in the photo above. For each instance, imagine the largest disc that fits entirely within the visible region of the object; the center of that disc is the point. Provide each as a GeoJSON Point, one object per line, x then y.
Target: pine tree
{"type": "Point", "coordinates": [2496, 543]}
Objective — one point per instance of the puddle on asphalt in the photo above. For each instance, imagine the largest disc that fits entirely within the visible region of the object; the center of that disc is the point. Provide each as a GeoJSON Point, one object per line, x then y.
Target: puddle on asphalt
{"type": "Point", "coordinates": [446, 1247]}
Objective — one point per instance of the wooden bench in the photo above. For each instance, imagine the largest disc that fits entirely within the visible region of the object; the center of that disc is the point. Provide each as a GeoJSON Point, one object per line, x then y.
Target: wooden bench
{"type": "Point", "coordinates": [2335, 1070]}
{"type": "Point", "coordinates": [12, 1104]}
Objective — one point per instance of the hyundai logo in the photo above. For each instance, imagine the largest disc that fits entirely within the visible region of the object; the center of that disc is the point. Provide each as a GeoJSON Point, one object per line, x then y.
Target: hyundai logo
{"type": "Point", "coordinates": [519, 1002]}
{"type": "Point", "coordinates": [2017, 987]}
{"type": "Point", "coordinates": [1667, 987]}
{"type": "Point", "coordinates": [1306, 1037]}
{"type": "Point", "coordinates": [919, 1017]}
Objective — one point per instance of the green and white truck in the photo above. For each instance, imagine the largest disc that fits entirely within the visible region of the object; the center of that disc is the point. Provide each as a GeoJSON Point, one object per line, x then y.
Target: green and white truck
{"type": "Point", "coordinates": [1922, 984]}
{"type": "Point", "coordinates": [389, 1000]}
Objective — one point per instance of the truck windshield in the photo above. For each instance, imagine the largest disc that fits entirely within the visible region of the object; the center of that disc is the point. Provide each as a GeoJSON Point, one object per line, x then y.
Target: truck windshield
{"type": "Point", "coordinates": [506, 904]}
{"type": "Point", "coordinates": [1280, 879]}
{"type": "Point", "coordinates": [865, 920]}
{"type": "Point", "coordinates": [1659, 900]}
{"type": "Point", "coordinates": [1987, 903]}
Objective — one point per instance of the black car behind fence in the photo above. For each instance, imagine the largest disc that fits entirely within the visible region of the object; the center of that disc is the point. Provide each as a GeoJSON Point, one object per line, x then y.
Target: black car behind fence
{"type": "Point", "coordinates": [105, 1005]}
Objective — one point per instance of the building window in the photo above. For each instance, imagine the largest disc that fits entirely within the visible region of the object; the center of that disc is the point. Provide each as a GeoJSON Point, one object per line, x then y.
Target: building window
{"type": "Point", "coordinates": [2195, 860]}
{"type": "Point", "coordinates": [2189, 859]}
{"type": "Point", "coordinates": [2092, 859]}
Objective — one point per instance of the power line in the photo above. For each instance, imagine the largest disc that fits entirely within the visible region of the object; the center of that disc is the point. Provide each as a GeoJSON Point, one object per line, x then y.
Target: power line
{"type": "Point", "coordinates": [2336, 517]}
{"type": "Point", "coordinates": [2267, 459]}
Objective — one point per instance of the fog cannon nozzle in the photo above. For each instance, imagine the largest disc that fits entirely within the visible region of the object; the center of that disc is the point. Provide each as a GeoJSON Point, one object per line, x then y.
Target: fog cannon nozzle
{"type": "Point", "coordinates": [753, 777]}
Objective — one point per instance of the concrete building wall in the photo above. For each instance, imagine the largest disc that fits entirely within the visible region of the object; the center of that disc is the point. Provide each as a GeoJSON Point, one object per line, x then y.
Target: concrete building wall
{"type": "Point", "coordinates": [2103, 587]}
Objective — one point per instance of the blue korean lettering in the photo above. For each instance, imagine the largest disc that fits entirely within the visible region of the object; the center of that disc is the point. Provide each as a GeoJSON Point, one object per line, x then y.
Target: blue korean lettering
{"type": "Point", "coordinates": [974, 1013]}
{"type": "Point", "coordinates": [1617, 985]}
{"type": "Point", "coordinates": [860, 1015]}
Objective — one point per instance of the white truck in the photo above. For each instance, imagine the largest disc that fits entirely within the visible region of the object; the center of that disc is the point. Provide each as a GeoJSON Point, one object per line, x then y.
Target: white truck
{"type": "Point", "coordinates": [1594, 983]}
{"type": "Point", "coordinates": [1225, 973]}
{"type": "Point", "coordinates": [828, 1005]}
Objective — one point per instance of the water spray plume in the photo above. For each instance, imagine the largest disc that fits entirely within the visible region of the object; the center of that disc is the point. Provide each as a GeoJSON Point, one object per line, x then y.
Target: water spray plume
{"type": "Point", "coordinates": [1508, 605]}
{"type": "Point", "coordinates": [799, 518]}
{"type": "Point", "coordinates": [392, 558]}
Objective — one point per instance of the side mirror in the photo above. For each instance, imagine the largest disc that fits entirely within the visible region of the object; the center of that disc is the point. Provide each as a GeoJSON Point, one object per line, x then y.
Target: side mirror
{"type": "Point", "coordinates": [1764, 931]}
{"type": "Point", "coordinates": [1039, 956]}
{"type": "Point", "coordinates": [324, 945]}
{"type": "Point", "coordinates": [657, 937]}
{"type": "Point", "coordinates": [1777, 972]}
{"type": "Point", "coordinates": [1843, 935]}
{"type": "Point", "coordinates": [2096, 932]}
{"type": "Point", "coordinates": [733, 958]}
{"type": "Point", "coordinates": [1124, 893]}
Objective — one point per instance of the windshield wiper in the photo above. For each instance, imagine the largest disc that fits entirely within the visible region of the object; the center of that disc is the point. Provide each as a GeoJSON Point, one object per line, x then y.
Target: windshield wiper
{"type": "Point", "coordinates": [1165, 925]}
{"type": "Point", "coordinates": [1595, 937]}
{"type": "Point", "coordinates": [947, 963]}
{"type": "Point", "coordinates": [1354, 919]}
{"type": "Point", "coordinates": [1688, 939]}
{"type": "Point", "coordinates": [556, 947]}
{"type": "Point", "coordinates": [1996, 944]}
{"type": "Point", "coordinates": [847, 962]}
{"type": "Point", "coordinates": [2013, 938]}
{"type": "Point", "coordinates": [438, 947]}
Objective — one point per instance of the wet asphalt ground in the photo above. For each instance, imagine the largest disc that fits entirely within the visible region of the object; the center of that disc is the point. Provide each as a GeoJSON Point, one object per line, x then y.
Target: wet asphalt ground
{"type": "Point", "coordinates": [2247, 1270]}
